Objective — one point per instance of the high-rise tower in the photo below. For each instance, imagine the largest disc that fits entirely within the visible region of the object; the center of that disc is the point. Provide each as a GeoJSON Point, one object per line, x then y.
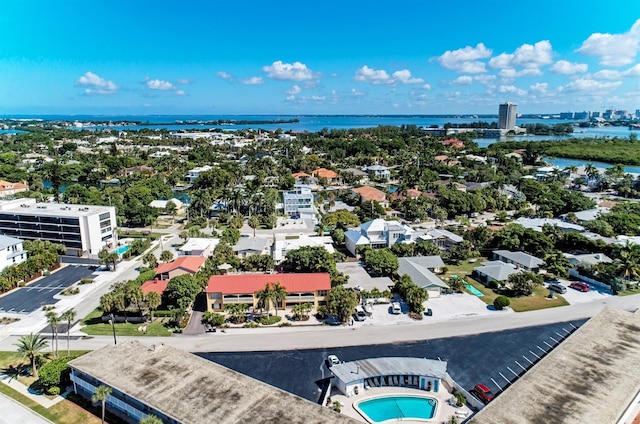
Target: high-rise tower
{"type": "Point", "coordinates": [507, 116]}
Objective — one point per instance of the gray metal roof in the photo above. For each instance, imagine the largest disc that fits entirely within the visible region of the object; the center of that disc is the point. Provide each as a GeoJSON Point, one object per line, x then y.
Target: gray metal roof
{"type": "Point", "coordinates": [251, 243]}
{"type": "Point", "coordinates": [6, 241]}
{"type": "Point", "coordinates": [419, 270]}
{"type": "Point", "coordinates": [373, 367]}
{"type": "Point", "coordinates": [521, 258]}
{"type": "Point", "coordinates": [497, 270]}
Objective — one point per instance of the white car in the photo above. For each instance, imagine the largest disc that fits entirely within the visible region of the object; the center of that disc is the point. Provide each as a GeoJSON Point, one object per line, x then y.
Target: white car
{"type": "Point", "coordinates": [358, 288]}
{"type": "Point", "coordinates": [333, 360]}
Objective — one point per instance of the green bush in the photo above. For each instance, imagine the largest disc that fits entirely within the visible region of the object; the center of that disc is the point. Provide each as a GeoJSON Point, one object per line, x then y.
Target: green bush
{"type": "Point", "coordinates": [251, 325]}
{"type": "Point", "coordinates": [86, 280]}
{"type": "Point", "coordinates": [501, 302]}
{"type": "Point", "coordinates": [269, 320]}
{"type": "Point", "coordinates": [55, 373]}
{"type": "Point", "coordinates": [53, 391]}
{"type": "Point", "coordinates": [284, 324]}
{"type": "Point", "coordinates": [163, 314]}
{"type": "Point", "coordinates": [461, 399]}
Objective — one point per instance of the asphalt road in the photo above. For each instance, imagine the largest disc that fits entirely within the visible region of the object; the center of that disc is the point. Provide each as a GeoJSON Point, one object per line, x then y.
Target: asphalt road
{"type": "Point", "coordinates": [490, 358]}
{"type": "Point", "coordinates": [27, 299]}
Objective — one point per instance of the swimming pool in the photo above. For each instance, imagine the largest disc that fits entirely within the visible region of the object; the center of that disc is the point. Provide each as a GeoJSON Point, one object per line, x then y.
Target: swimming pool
{"type": "Point", "coordinates": [473, 290]}
{"type": "Point", "coordinates": [397, 407]}
{"type": "Point", "coordinates": [122, 249]}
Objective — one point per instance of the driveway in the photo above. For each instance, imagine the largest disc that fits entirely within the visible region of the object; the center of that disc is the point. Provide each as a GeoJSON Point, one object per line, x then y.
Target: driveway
{"type": "Point", "coordinates": [358, 276]}
{"type": "Point", "coordinates": [15, 413]}
{"type": "Point", "coordinates": [574, 296]}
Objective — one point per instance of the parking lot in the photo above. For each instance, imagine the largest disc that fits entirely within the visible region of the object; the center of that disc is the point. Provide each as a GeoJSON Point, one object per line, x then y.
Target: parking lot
{"type": "Point", "coordinates": [39, 293]}
{"type": "Point", "coordinates": [491, 358]}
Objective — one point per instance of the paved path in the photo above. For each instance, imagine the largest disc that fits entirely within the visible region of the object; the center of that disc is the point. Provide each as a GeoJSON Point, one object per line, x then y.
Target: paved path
{"type": "Point", "coordinates": [24, 390]}
{"type": "Point", "coordinates": [291, 338]}
{"type": "Point", "coordinates": [16, 413]}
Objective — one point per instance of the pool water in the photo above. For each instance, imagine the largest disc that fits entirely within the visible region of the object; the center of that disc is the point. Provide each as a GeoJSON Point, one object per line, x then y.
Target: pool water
{"type": "Point", "coordinates": [387, 408]}
{"type": "Point", "coordinates": [473, 290]}
{"type": "Point", "coordinates": [122, 249]}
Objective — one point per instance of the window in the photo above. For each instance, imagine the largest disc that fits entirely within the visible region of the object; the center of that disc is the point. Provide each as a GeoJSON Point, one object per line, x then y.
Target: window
{"type": "Point", "coordinates": [215, 296]}
{"type": "Point", "coordinates": [104, 216]}
{"type": "Point", "coordinates": [323, 292]}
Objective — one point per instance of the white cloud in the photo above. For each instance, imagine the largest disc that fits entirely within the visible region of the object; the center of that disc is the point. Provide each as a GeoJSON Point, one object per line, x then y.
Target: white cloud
{"type": "Point", "coordinates": [565, 67]}
{"type": "Point", "coordinates": [224, 75]}
{"type": "Point", "coordinates": [511, 89]}
{"type": "Point", "coordinates": [156, 84]}
{"type": "Point", "coordinates": [485, 79]}
{"type": "Point", "coordinates": [294, 90]}
{"type": "Point", "coordinates": [609, 74]}
{"type": "Point", "coordinates": [288, 71]}
{"type": "Point", "coordinates": [291, 98]}
{"type": "Point", "coordinates": [427, 87]}
{"type": "Point", "coordinates": [96, 84]}
{"type": "Point", "coordinates": [613, 49]}
{"type": "Point", "coordinates": [184, 81]}
{"type": "Point", "coordinates": [466, 59]}
{"type": "Point", "coordinates": [462, 80]}
{"type": "Point", "coordinates": [590, 85]}
{"type": "Point", "coordinates": [632, 72]}
{"type": "Point", "coordinates": [512, 73]}
{"type": "Point", "coordinates": [252, 81]}
{"type": "Point", "coordinates": [404, 76]}
{"type": "Point", "coordinates": [528, 56]}
{"type": "Point", "coordinates": [380, 76]}
{"type": "Point", "coordinates": [373, 76]}
{"type": "Point", "coordinates": [356, 93]}
{"type": "Point", "coordinates": [180, 93]}
{"type": "Point", "coordinates": [539, 88]}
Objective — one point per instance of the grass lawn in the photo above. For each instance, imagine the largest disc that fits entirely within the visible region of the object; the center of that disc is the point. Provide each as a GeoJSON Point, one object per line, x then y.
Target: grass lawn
{"type": "Point", "coordinates": [538, 300]}
{"type": "Point", "coordinates": [64, 412]}
{"type": "Point", "coordinates": [629, 292]}
{"type": "Point", "coordinates": [93, 325]}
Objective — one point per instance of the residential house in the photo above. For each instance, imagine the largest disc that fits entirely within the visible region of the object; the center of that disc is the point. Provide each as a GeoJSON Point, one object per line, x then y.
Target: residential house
{"type": "Point", "coordinates": [136, 169]}
{"type": "Point", "coordinates": [497, 271]}
{"type": "Point", "coordinates": [301, 197]}
{"type": "Point", "coordinates": [538, 223]}
{"type": "Point", "coordinates": [326, 174]}
{"type": "Point", "coordinates": [361, 177]}
{"type": "Point", "coordinates": [249, 246]}
{"type": "Point", "coordinates": [588, 259]}
{"type": "Point", "coordinates": [444, 239]}
{"type": "Point", "coordinates": [520, 259]}
{"type": "Point", "coordinates": [368, 194]}
{"type": "Point", "coordinates": [285, 243]}
{"type": "Point", "coordinates": [194, 173]}
{"type": "Point", "coordinates": [378, 172]}
{"type": "Point", "coordinates": [11, 189]}
{"type": "Point", "coordinates": [302, 178]}
{"type": "Point", "coordinates": [422, 270]}
{"type": "Point", "coordinates": [378, 234]}
{"type": "Point", "coordinates": [203, 247]}
{"type": "Point", "coordinates": [11, 251]}
{"type": "Point", "coordinates": [228, 289]}
{"type": "Point", "coordinates": [162, 204]}
{"type": "Point", "coordinates": [588, 215]}
{"type": "Point", "coordinates": [453, 142]}
{"type": "Point", "coordinates": [182, 265]}
{"type": "Point", "coordinates": [163, 381]}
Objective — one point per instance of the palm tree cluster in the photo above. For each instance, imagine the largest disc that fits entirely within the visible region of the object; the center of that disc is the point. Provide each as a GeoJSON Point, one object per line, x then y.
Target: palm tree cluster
{"type": "Point", "coordinates": [273, 293]}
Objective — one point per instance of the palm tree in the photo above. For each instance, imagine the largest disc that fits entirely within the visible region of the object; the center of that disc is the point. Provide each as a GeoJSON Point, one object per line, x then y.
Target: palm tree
{"type": "Point", "coordinates": [69, 315]}
{"type": "Point", "coordinates": [279, 294]}
{"type": "Point", "coordinates": [150, 260]}
{"type": "Point", "coordinates": [153, 300]}
{"type": "Point", "coordinates": [100, 395]}
{"type": "Point", "coordinates": [628, 265]}
{"type": "Point", "coordinates": [150, 419]}
{"type": "Point", "coordinates": [108, 304]}
{"type": "Point", "coordinates": [264, 297]}
{"type": "Point", "coordinates": [31, 346]}
{"type": "Point", "coordinates": [254, 222]}
{"type": "Point", "coordinates": [591, 171]}
{"type": "Point", "coordinates": [53, 320]}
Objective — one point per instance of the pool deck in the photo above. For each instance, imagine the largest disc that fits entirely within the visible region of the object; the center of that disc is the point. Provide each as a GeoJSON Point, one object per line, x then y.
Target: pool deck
{"type": "Point", "coordinates": [443, 410]}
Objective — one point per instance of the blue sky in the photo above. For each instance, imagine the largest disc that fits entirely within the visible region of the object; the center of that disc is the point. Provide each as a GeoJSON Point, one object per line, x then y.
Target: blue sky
{"type": "Point", "coordinates": [320, 57]}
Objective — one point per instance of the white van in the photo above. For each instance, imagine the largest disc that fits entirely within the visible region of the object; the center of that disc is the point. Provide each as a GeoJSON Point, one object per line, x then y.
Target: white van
{"type": "Point", "coordinates": [360, 314]}
{"type": "Point", "coordinates": [395, 308]}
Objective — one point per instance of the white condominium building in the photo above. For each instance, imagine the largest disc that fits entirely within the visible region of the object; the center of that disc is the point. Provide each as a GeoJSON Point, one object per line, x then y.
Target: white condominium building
{"type": "Point", "coordinates": [83, 230]}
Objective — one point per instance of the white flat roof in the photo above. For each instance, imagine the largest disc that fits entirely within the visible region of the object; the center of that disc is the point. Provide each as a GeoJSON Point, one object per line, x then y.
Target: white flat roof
{"type": "Point", "coordinates": [29, 206]}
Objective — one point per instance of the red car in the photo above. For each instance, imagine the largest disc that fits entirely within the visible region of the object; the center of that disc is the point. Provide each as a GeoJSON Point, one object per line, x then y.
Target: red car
{"type": "Point", "coordinates": [483, 393]}
{"type": "Point", "coordinates": [577, 285]}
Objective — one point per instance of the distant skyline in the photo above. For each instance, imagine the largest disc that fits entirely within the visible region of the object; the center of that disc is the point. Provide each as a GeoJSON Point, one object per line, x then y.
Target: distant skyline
{"type": "Point", "coordinates": [330, 57]}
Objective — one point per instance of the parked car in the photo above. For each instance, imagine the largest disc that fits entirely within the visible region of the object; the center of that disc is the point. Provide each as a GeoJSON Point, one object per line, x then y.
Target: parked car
{"type": "Point", "coordinates": [483, 393]}
{"type": "Point", "coordinates": [428, 312]}
{"type": "Point", "coordinates": [359, 313]}
{"type": "Point", "coordinates": [332, 360]}
{"type": "Point", "coordinates": [396, 308]}
{"type": "Point", "coordinates": [580, 286]}
{"type": "Point", "coordinates": [557, 287]}
{"type": "Point", "coordinates": [358, 288]}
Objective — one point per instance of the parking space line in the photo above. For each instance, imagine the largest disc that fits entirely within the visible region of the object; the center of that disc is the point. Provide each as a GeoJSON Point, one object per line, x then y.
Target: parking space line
{"type": "Point", "coordinates": [547, 344]}
{"type": "Point", "coordinates": [523, 368]}
{"type": "Point", "coordinates": [557, 342]}
{"type": "Point", "coordinates": [496, 383]}
{"type": "Point", "coordinates": [533, 355]}
{"type": "Point", "coordinates": [508, 381]}
{"type": "Point", "coordinates": [541, 349]}
{"type": "Point", "coordinates": [528, 359]}
{"type": "Point", "coordinates": [512, 372]}
{"type": "Point", "coordinates": [560, 335]}
{"type": "Point", "coordinates": [574, 327]}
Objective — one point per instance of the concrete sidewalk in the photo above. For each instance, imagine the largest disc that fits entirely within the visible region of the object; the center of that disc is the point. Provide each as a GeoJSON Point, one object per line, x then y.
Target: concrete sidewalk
{"type": "Point", "coordinates": [16, 413]}
{"type": "Point", "coordinates": [24, 390]}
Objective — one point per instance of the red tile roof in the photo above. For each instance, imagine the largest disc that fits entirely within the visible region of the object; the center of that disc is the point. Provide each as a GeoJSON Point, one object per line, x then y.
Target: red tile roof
{"type": "Point", "coordinates": [300, 174]}
{"type": "Point", "coordinates": [251, 283]}
{"type": "Point", "coordinates": [324, 173]}
{"type": "Point", "coordinates": [158, 286]}
{"type": "Point", "coordinates": [6, 185]}
{"type": "Point", "coordinates": [369, 193]}
{"type": "Point", "coordinates": [188, 263]}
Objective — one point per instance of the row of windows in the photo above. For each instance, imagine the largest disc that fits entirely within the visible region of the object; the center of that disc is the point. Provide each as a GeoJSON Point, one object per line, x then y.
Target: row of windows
{"type": "Point", "coordinates": [42, 227]}
{"type": "Point", "coordinates": [70, 242]}
{"type": "Point", "coordinates": [103, 216]}
{"type": "Point", "coordinates": [43, 219]}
